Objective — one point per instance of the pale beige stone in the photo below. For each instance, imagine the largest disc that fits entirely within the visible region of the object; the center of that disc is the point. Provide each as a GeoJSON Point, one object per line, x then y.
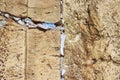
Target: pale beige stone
{"type": "Point", "coordinates": [44, 10]}
{"type": "Point", "coordinates": [33, 54]}
{"type": "Point", "coordinates": [43, 57]}
{"type": "Point", "coordinates": [12, 53]}
{"type": "Point", "coordinates": [16, 7]}
{"type": "Point", "coordinates": [41, 14]}
{"type": "Point", "coordinates": [43, 3]}
{"type": "Point", "coordinates": [91, 48]}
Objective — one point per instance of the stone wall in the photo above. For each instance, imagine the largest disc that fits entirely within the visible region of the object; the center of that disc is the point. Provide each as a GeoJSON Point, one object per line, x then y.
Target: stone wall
{"type": "Point", "coordinates": [29, 54]}
{"type": "Point", "coordinates": [91, 47]}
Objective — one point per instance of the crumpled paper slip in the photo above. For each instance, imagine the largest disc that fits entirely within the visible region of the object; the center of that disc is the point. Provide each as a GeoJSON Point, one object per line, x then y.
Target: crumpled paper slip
{"type": "Point", "coordinates": [2, 22]}
{"type": "Point", "coordinates": [47, 25]}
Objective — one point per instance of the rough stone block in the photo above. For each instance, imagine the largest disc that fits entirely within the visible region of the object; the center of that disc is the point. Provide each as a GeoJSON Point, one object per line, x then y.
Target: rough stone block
{"type": "Point", "coordinates": [45, 10]}
{"type": "Point", "coordinates": [12, 53]}
{"type": "Point", "coordinates": [43, 55]}
{"type": "Point", "coordinates": [16, 7]}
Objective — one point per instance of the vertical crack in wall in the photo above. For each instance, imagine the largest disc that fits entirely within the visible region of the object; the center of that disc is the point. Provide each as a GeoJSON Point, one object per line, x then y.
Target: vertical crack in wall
{"type": "Point", "coordinates": [26, 48]}
{"type": "Point", "coordinates": [26, 53]}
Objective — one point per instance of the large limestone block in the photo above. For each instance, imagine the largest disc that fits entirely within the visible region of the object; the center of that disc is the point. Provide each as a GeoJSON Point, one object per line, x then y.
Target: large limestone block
{"type": "Point", "coordinates": [12, 52]}
{"type": "Point", "coordinates": [16, 7]}
{"type": "Point", "coordinates": [43, 55]}
{"type": "Point", "coordinates": [92, 45]}
{"type": "Point", "coordinates": [44, 10]}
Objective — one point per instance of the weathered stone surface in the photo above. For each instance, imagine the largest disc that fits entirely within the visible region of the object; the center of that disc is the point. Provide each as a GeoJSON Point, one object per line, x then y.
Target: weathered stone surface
{"type": "Point", "coordinates": [12, 52]}
{"type": "Point", "coordinates": [43, 47]}
{"type": "Point", "coordinates": [92, 49]}
{"type": "Point", "coordinates": [43, 55]}
{"type": "Point", "coordinates": [33, 54]}
{"type": "Point", "coordinates": [92, 45]}
{"type": "Point", "coordinates": [44, 10]}
{"type": "Point", "coordinates": [16, 7]}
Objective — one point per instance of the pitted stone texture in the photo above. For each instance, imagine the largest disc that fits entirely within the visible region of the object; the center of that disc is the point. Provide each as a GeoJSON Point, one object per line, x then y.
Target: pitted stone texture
{"type": "Point", "coordinates": [12, 53]}
{"type": "Point", "coordinates": [92, 45]}
{"type": "Point", "coordinates": [40, 10]}
{"type": "Point", "coordinates": [16, 7]}
{"type": "Point", "coordinates": [43, 55]}
{"type": "Point", "coordinates": [44, 10]}
{"type": "Point", "coordinates": [40, 55]}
